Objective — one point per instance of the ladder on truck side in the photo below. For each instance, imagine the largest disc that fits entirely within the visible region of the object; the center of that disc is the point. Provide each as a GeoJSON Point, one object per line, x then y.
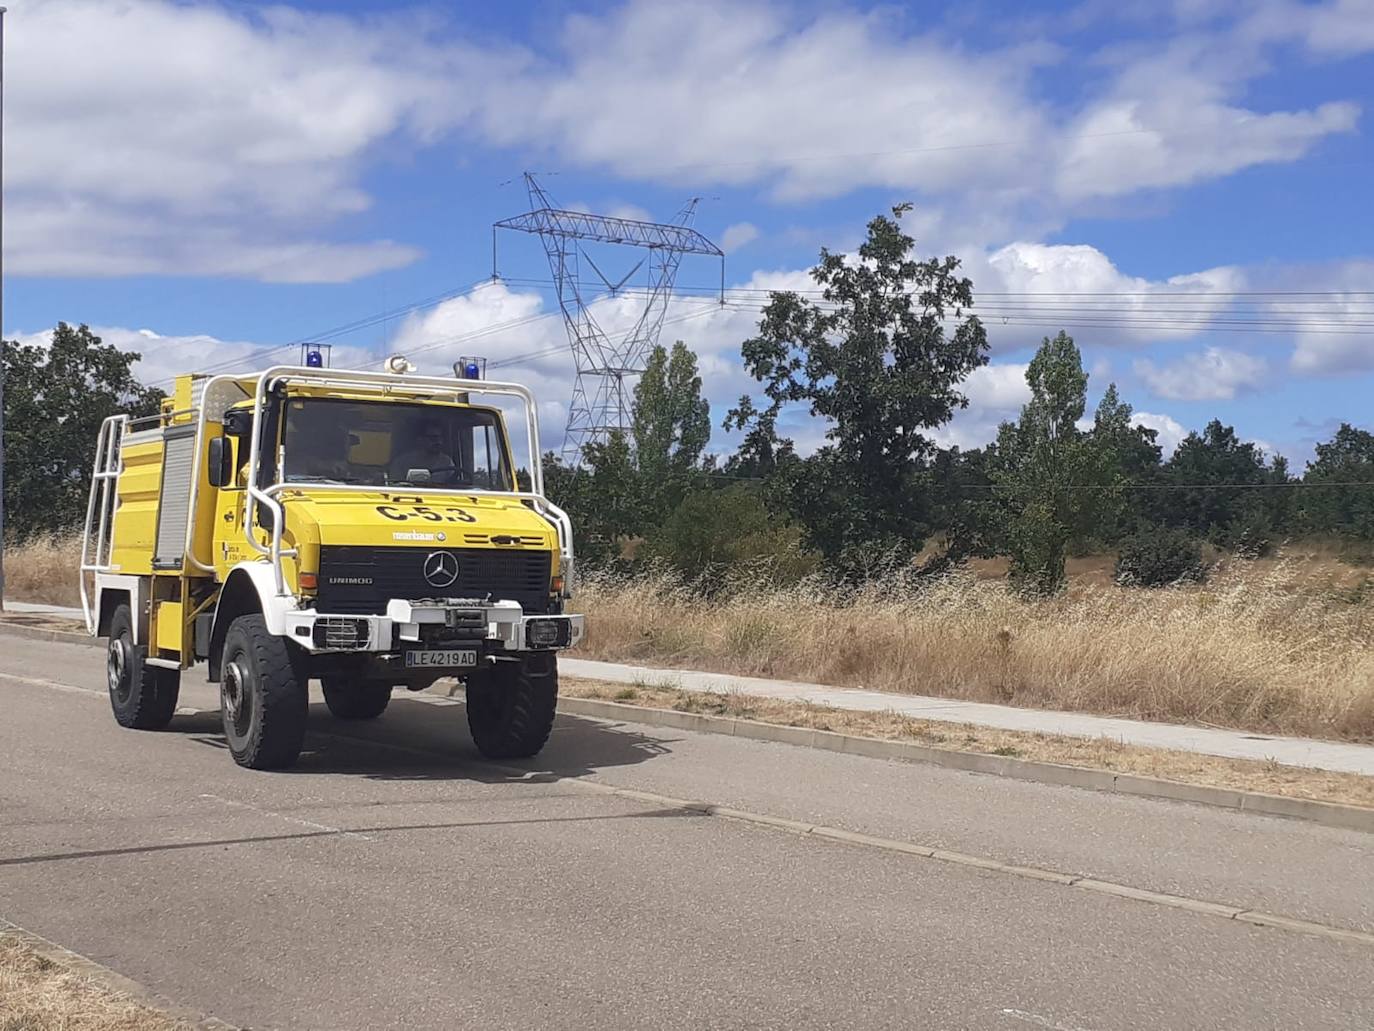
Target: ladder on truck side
{"type": "Point", "coordinates": [97, 537]}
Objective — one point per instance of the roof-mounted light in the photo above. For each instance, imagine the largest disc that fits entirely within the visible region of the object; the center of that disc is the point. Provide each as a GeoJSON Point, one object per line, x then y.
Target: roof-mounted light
{"type": "Point", "coordinates": [470, 367]}
{"type": "Point", "coordinates": [398, 365]}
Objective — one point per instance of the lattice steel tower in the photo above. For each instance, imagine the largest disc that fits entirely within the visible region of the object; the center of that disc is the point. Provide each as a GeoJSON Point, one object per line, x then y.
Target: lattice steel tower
{"type": "Point", "coordinates": [602, 397]}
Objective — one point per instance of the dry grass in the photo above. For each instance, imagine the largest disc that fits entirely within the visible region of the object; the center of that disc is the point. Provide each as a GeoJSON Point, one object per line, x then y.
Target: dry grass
{"type": "Point", "coordinates": [44, 570]}
{"type": "Point", "coordinates": [37, 994]}
{"type": "Point", "coordinates": [1096, 753]}
{"type": "Point", "coordinates": [1253, 649]}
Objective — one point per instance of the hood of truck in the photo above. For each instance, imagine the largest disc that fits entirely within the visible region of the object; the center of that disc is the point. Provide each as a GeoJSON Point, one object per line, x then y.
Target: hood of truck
{"type": "Point", "coordinates": [422, 520]}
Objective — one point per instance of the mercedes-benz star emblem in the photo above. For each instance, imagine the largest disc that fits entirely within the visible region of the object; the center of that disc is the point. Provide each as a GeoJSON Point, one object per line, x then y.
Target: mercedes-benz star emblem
{"type": "Point", "coordinates": [441, 569]}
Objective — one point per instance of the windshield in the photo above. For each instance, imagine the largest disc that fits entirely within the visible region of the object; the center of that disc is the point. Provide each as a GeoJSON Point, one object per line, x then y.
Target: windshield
{"type": "Point", "coordinates": [394, 444]}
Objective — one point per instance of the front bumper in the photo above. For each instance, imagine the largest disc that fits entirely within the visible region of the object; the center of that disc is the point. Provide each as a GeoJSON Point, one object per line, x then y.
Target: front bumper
{"type": "Point", "coordinates": [499, 626]}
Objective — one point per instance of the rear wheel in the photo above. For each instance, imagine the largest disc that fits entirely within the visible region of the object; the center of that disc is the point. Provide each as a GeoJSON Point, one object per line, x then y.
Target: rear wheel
{"type": "Point", "coordinates": [143, 697]}
{"type": "Point", "coordinates": [263, 700]}
{"type": "Point", "coordinates": [511, 706]}
{"type": "Point", "coordinates": [350, 699]}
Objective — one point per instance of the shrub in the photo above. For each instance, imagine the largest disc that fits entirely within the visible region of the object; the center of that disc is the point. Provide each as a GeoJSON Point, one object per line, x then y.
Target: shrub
{"type": "Point", "coordinates": [717, 536]}
{"type": "Point", "coordinates": [1157, 558]}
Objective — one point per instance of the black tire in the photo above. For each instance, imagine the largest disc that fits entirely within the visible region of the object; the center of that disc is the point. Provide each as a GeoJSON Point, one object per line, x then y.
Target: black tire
{"type": "Point", "coordinates": [143, 697]}
{"type": "Point", "coordinates": [511, 707]}
{"type": "Point", "coordinates": [263, 701]}
{"type": "Point", "coordinates": [355, 699]}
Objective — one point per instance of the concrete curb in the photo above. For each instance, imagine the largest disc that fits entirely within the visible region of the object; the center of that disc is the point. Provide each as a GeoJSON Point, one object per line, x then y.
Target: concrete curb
{"type": "Point", "coordinates": [114, 981]}
{"type": "Point", "coordinates": [34, 633]}
{"type": "Point", "coordinates": [1327, 814]}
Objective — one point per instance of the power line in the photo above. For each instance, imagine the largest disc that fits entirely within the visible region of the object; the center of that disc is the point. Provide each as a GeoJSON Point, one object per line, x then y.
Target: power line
{"type": "Point", "coordinates": [364, 322]}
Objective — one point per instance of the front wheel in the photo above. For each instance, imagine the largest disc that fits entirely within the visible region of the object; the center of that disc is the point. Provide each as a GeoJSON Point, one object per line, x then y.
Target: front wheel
{"type": "Point", "coordinates": [355, 699]}
{"type": "Point", "coordinates": [263, 700]}
{"type": "Point", "coordinates": [142, 697]}
{"type": "Point", "coordinates": [511, 706]}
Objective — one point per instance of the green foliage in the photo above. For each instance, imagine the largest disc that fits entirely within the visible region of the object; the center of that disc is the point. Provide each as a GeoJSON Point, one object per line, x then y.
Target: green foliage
{"type": "Point", "coordinates": [629, 483]}
{"type": "Point", "coordinates": [1053, 478]}
{"type": "Point", "coordinates": [56, 397]}
{"type": "Point", "coordinates": [1128, 454]}
{"type": "Point", "coordinates": [1331, 507]}
{"type": "Point", "coordinates": [603, 498]}
{"type": "Point", "coordinates": [671, 428]}
{"type": "Point", "coordinates": [875, 361]}
{"type": "Point", "coordinates": [714, 536]}
{"type": "Point", "coordinates": [1221, 490]}
{"type": "Point", "coordinates": [1159, 557]}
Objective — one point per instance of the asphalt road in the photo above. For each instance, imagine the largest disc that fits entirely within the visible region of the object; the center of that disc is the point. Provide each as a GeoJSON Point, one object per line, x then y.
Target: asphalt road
{"type": "Point", "coordinates": [394, 880]}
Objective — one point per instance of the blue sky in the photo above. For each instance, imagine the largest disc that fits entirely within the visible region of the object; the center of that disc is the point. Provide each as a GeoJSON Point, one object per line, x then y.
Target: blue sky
{"type": "Point", "coordinates": [1184, 186]}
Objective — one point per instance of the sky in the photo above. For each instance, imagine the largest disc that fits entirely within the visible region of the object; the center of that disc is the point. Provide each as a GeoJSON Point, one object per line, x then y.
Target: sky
{"type": "Point", "coordinates": [1184, 187]}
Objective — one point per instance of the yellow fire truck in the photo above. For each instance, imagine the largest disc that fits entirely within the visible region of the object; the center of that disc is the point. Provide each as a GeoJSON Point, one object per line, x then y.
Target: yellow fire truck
{"type": "Point", "coordinates": [369, 530]}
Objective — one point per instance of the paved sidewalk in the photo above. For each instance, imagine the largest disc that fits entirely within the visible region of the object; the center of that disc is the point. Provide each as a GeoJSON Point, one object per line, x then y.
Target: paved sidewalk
{"type": "Point", "coordinates": [1234, 744]}
{"type": "Point", "coordinates": [48, 610]}
{"type": "Point", "coordinates": [1291, 751]}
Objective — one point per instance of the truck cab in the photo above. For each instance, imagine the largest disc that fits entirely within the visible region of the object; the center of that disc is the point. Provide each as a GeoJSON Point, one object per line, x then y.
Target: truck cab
{"type": "Point", "coordinates": [367, 530]}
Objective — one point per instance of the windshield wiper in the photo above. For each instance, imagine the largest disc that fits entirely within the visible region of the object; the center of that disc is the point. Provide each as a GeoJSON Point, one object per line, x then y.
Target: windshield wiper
{"type": "Point", "coordinates": [328, 479]}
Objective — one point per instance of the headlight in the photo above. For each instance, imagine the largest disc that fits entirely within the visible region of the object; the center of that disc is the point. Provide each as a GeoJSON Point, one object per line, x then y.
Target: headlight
{"type": "Point", "coordinates": [547, 633]}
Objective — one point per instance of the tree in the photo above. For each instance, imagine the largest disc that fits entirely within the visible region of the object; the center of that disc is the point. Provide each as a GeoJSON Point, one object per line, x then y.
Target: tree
{"type": "Point", "coordinates": [671, 426]}
{"type": "Point", "coordinates": [716, 536]}
{"type": "Point", "coordinates": [1348, 457]}
{"type": "Point", "coordinates": [879, 358]}
{"type": "Point", "coordinates": [1130, 455]}
{"type": "Point", "coordinates": [1054, 478]}
{"type": "Point", "coordinates": [602, 497]}
{"type": "Point", "coordinates": [1219, 489]}
{"type": "Point", "coordinates": [56, 397]}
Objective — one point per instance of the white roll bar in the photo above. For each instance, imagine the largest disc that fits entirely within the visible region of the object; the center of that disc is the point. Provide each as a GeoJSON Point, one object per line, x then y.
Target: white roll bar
{"type": "Point", "coordinates": [385, 383]}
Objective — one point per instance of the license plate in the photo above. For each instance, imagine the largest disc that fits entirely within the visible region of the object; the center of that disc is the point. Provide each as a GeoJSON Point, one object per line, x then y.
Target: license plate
{"type": "Point", "coordinates": [431, 657]}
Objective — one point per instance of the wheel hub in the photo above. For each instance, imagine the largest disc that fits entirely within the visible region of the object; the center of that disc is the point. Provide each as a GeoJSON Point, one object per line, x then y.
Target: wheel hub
{"type": "Point", "coordinates": [232, 689]}
{"type": "Point", "coordinates": [116, 666]}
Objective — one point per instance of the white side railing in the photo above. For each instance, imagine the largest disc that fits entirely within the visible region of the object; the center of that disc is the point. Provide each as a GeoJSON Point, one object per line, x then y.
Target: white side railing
{"type": "Point", "coordinates": [388, 384]}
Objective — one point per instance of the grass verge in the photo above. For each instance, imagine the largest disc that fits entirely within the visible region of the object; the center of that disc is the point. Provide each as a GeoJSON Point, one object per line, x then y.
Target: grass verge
{"type": "Point", "coordinates": [1094, 753]}
{"type": "Point", "coordinates": [38, 994]}
{"type": "Point", "coordinates": [1256, 650]}
{"type": "Point", "coordinates": [44, 570]}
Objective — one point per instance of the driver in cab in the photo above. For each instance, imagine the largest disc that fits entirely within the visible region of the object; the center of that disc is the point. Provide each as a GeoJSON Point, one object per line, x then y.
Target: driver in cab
{"type": "Point", "coordinates": [426, 460]}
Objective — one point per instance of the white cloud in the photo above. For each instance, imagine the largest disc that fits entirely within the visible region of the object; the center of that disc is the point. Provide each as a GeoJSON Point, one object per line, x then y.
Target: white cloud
{"type": "Point", "coordinates": [749, 93]}
{"type": "Point", "coordinates": [996, 392]}
{"type": "Point", "coordinates": [1211, 375]}
{"type": "Point", "coordinates": [164, 356]}
{"type": "Point", "coordinates": [1169, 129]}
{"type": "Point", "coordinates": [1331, 338]}
{"type": "Point", "coordinates": [216, 139]}
{"type": "Point", "coordinates": [1025, 291]}
{"type": "Point", "coordinates": [1170, 432]}
{"type": "Point", "coordinates": [743, 93]}
{"type": "Point", "coordinates": [152, 136]}
{"type": "Point", "coordinates": [1343, 28]}
{"type": "Point", "coordinates": [738, 235]}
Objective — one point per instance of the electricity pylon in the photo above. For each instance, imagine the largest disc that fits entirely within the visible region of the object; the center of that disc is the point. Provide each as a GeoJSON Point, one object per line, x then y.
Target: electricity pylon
{"type": "Point", "coordinates": [606, 366]}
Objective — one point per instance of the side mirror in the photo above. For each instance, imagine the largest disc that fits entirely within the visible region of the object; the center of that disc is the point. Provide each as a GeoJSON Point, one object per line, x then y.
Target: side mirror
{"type": "Point", "coordinates": [221, 464]}
{"type": "Point", "coordinates": [237, 422]}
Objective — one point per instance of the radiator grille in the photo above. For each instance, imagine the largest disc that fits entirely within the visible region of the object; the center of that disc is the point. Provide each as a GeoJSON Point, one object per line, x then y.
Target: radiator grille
{"type": "Point", "coordinates": [360, 580]}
